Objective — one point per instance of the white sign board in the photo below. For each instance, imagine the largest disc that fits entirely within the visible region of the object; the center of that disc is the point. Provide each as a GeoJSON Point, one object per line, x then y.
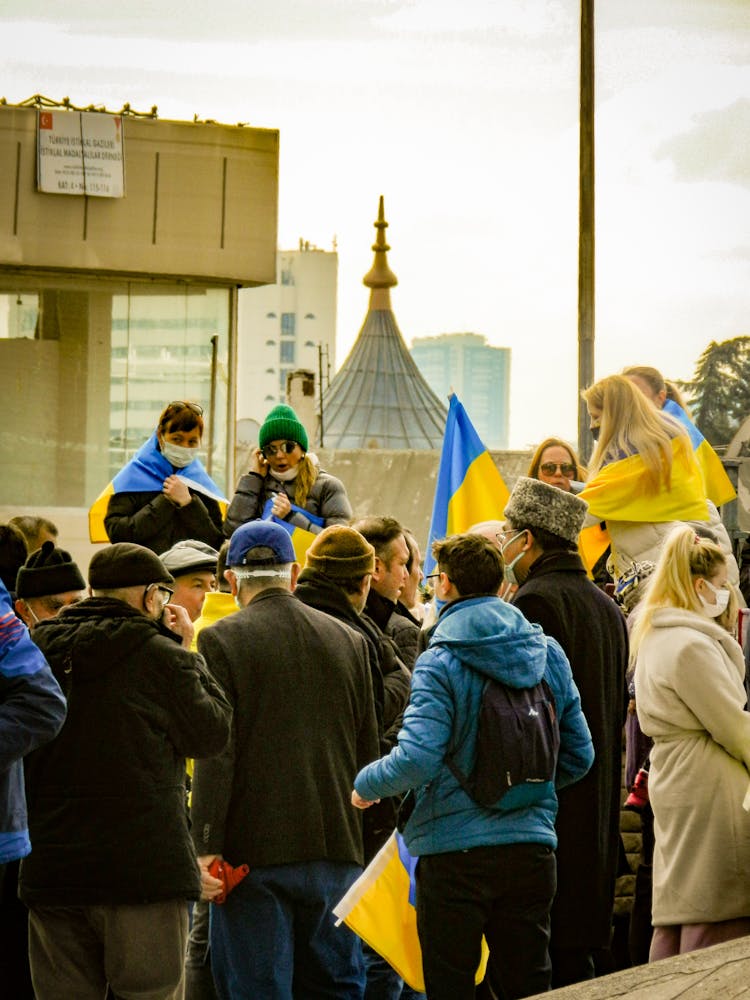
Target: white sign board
{"type": "Point", "coordinates": [80, 152]}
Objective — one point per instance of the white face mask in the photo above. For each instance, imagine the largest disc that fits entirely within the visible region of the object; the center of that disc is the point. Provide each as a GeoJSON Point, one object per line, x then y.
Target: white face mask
{"type": "Point", "coordinates": [722, 601]}
{"type": "Point", "coordinates": [287, 476]}
{"type": "Point", "coordinates": [176, 455]}
{"type": "Point", "coordinates": [508, 571]}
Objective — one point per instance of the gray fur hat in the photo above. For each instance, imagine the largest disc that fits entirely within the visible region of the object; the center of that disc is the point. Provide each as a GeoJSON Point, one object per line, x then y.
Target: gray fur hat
{"type": "Point", "coordinates": [534, 504]}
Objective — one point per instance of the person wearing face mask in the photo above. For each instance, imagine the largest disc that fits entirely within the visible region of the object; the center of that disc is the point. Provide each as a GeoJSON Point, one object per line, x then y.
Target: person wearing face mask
{"type": "Point", "coordinates": [164, 494]}
{"type": "Point", "coordinates": [285, 481]}
{"type": "Point", "coordinates": [539, 546]}
{"type": "Point", "coordinates": [689, 673]}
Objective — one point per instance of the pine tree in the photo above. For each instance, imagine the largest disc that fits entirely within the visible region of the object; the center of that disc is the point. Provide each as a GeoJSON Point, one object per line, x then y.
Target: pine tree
{"type": "Point", "coordinates": [719, 393]}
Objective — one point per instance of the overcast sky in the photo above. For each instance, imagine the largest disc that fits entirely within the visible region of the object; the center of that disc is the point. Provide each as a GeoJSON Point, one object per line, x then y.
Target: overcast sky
{"type": "Point", "coordinates": [465, 117]}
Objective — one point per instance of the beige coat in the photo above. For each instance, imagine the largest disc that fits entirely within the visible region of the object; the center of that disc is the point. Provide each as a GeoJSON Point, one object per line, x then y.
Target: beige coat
{"type": "Point", "coordinates": [690, 697]}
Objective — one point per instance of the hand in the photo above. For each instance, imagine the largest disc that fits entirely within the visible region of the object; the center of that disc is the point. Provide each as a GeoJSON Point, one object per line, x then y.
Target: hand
{"type": "Point", "coordinates": [258, 463]}
{"type": "Point", "coordinates": [359, 803]}
{"type": "Point", "coordinates": [176, 491]}
{"type": "Point", "coordinates": [210, 887]}
{"type": "Point", "coordinates": [281, 505]}
{"type": "Point", "coordinates": [177, 620]}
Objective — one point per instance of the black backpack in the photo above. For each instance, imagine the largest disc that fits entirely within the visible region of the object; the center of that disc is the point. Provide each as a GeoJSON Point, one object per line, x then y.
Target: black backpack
{"type": "Point", "coordinates": [518, 741]}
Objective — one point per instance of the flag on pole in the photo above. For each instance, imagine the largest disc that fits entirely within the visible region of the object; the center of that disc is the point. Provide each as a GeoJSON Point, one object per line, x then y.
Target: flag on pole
{"type": "Point", "coordinates": [469, 485]}
{"type": "Point", "coordinates": [381, 909]}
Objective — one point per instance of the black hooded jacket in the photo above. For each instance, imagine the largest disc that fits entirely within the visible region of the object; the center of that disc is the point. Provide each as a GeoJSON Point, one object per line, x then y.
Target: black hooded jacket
{"type": "Point", "coordinates": [106, 798]}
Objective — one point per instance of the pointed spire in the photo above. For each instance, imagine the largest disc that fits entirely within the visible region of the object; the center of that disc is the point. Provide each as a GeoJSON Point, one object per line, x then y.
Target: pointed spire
{"type": "Point", "coordinates": [380, 278]}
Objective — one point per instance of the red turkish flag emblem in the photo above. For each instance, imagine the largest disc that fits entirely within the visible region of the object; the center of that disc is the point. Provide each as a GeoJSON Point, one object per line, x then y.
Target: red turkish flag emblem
{"type": "Point", "coordinates": [45, 119]}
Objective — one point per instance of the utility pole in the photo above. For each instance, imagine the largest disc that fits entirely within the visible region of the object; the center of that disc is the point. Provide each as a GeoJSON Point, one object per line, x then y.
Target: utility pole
{"type": "Point", "coordinates": [586, 256]}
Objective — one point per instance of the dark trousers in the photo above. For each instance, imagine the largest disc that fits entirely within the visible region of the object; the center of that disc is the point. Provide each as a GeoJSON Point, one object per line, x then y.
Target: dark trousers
{"type": "Point", "coordinates": [504, 893]}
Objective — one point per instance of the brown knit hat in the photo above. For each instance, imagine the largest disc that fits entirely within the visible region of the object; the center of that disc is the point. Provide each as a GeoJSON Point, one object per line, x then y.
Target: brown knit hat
{"type": "Point", "coordinates": [341, 553]}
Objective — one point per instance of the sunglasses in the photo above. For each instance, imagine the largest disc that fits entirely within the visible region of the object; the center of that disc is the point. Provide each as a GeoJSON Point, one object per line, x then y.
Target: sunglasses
{"type": "Point", "coordinates": [285, 448]}
{"type": "Point", "coordinates": [566, 468]}
{"type": "Point", "coordinates": [184, 405]}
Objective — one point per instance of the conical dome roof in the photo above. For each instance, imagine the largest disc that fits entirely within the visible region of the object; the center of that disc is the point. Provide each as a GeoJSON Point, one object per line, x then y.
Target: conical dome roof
{"type": "Point", "coordinates": [379, 398]}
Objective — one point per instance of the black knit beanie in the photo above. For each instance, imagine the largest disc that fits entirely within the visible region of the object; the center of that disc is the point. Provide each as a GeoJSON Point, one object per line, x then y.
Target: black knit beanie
{"type": "Point", "coordinates": [47, 571]}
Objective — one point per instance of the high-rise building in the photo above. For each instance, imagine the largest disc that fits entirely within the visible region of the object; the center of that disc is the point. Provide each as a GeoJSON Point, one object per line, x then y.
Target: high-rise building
{"type": "Point", "coordinates": [282, 326]}
{"type": "Point", "coordinates": [479, 374]}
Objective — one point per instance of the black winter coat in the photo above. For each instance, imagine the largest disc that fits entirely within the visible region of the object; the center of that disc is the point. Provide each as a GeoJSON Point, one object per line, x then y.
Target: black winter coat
{"type": "Point", "coordinates": [151, 520]}
{"type": "Point", "coordinates": [304, 724]}
{"type": "Point", "coordinates": [106, 798]}
{"type": "Point", "coordinates": [591, 630]}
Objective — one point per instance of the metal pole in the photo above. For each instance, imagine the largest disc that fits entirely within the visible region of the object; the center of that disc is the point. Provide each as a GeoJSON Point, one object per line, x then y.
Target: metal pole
{"type": "Point", "coordinates": [212, 403]}
{"type": "Point", "coordinates": [586, 256]}
{"type": "Point", "coordinates": [320, 394]}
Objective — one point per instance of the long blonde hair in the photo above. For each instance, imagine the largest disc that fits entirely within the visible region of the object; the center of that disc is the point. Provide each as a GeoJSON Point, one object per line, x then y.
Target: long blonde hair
{"type": "Point", "coordinates": [306, 476]}
{"type": "Point", "coordinates": [631, 425]}
{"type": "Point", "coordinates": [684, 557]}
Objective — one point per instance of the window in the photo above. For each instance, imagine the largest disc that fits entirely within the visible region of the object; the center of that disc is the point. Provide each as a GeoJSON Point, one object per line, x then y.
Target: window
{"type": "Point", "coordinates": [288, 324]}
{"type": "Point", "coordinates": [282, 378]}
{"type": "Point", "coordinates": [287, 276]}
{"type": "Point", "coordinates": [287, 352]}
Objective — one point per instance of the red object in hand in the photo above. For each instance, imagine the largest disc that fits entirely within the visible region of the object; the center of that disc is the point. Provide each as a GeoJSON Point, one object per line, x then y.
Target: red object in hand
{"type": "Point", "coordinates": [229, 876]}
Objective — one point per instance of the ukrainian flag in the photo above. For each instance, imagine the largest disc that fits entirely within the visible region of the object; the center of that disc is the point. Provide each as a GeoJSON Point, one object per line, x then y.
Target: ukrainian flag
{"type": "Point", "coordinates": [145, 473]}
{"type": "Point", "coordinates": [301, 538]}
{"type": "Point", "coordinates": [381, 909]}
{"type": "Point", "coordinates": [469, 486]}
{"type": "Point", "coordinates": [717, 483]}
{"type": "Point", "coordinates": [618, 493]}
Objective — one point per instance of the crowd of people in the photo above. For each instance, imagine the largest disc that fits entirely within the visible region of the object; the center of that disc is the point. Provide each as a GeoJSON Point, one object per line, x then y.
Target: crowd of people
{"type": "Point", "coordinates": [206, 740]}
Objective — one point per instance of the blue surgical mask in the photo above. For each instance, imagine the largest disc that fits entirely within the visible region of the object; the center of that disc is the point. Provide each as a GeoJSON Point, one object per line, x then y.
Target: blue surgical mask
{"type": "Point", "coordinates": [508, 570]}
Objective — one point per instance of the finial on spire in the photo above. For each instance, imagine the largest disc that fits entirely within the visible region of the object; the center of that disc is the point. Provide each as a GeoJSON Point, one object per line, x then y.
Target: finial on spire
{"type": "Point", "coordinates": [380, 275]}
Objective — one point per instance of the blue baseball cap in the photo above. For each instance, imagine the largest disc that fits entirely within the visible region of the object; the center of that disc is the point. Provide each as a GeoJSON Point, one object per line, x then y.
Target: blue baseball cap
{"type": "Point", "coordinates": [260, 534]}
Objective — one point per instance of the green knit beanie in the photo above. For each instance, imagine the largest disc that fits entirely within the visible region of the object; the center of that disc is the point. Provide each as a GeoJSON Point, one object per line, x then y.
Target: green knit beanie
{"type": "Point", "coordinates": [281, 424]}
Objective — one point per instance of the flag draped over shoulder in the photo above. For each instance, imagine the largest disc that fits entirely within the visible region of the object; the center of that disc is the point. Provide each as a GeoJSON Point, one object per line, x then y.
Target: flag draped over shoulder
{"type": "Point", "coordinates": [618, 493]}
{"type": "Point", "coordinates": [301, 538]}
{"type": "Point", "coordinates": [717, 483]}
{"type": "Point", "coordinates": [381, 908]}
{"type": "Point", "coordinates": [144, 473]}
{"type": "Point", "coordinates": [469, 486]}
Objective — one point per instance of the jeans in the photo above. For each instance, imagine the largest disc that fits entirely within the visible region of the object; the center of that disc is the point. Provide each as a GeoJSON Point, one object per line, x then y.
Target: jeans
{"type": "Point", "coordinates": [504, 892]}
{"type": "Point", "coordinates": [275, 936]}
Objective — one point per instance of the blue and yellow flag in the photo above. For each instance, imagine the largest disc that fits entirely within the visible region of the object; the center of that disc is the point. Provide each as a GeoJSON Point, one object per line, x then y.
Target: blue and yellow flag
{"type": "Point", "coordinates": [717, 483]}
{"type": "Point", "coordinates": [469, 486]}
{"type": "Point", "coordinates": [144, 473]}
{"type": "Point", "coordinates": [618, 493]}
{"type": "Point", "coordinates": [381, 909]}
{"type": "Point", "coordinates": [301, 538]}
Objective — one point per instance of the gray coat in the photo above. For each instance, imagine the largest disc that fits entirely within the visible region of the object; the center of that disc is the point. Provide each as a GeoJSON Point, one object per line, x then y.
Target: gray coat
{"type": "Point", "coordinates": [327, 500]}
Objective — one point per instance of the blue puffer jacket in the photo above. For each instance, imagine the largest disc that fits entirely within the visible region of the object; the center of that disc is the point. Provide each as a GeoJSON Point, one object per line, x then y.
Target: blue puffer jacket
{"type": "Point", "coordinates": [32, 710]}
{"type": "Point", "coordinates": [476, 638]}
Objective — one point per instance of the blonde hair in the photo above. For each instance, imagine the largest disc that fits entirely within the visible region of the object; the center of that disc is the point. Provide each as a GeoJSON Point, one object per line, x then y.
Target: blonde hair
{"type": "Point", "coordinates": [684, 557]}
{"type": "Point", "coordinates": [657, 383]}
{"type": "Point", "coordinates": [631, 425]}
{"type": "Point", "coordinates": [308, 473]}
{"type": "Point", "coordinates": [553, 442]}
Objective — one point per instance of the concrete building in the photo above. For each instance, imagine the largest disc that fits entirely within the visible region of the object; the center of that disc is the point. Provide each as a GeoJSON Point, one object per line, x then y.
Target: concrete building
{"type": "Point", "coordinates": [112, 306]}
{"type": "Point", "coordinates": [281, 328]}
{"type": "Point", "coordinates": [479, 374]}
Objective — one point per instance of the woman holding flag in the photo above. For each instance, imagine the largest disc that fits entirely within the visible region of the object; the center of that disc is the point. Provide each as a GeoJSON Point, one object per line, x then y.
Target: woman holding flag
{"type": "Point", "coordinates": [643, 476]}
{"type": "Point", "coordinates": [284, 482]}
{"type": "Point", "coordinates": [164, 494]}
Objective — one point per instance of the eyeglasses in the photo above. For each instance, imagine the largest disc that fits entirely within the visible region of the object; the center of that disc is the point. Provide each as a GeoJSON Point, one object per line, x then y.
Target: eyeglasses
{"type": "Point", "coordinates": [431, 576]}
{"type": "Point", "coordinates": [285, 448]}
{"type": "Point", "coordinates": [550, 468]}
{"type": "Point", "coordinates": [162, 590]}
{"type": "Point", "coordinates": [183, 404]}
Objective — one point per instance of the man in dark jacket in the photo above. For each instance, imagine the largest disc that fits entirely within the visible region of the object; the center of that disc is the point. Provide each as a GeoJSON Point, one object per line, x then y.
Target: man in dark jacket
{"type": "Point", "coordinates": [336, 580]}
{"type": "Point", "coordinates": [277, 800]}
{"type": "Point", "coordinates": [113, 864]}
{"type": "Point", "coordinates": [392, 559]}
{"type": "Point", "coordinates": [540, 551]}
